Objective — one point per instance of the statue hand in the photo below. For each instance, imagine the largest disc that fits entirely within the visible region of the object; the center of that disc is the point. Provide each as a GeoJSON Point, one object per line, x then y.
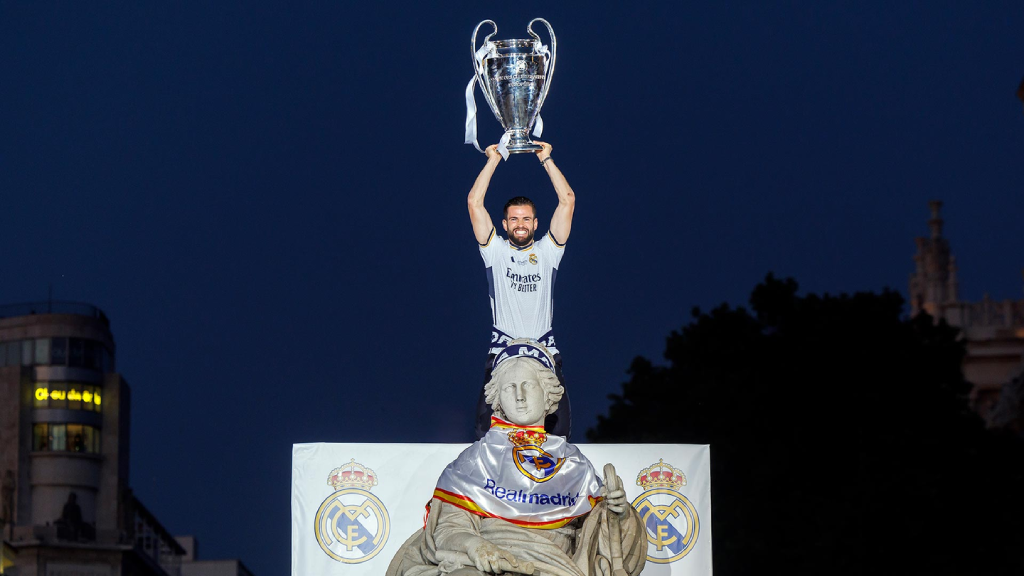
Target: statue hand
{"type": "Point", "coordinates": [615, 496]}
{"type": "Point", "coordinates": [491, 559]}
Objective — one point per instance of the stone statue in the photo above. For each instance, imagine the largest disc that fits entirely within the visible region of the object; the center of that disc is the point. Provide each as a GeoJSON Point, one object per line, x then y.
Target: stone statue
{"type": "Point", "coordinates": [522, 501]}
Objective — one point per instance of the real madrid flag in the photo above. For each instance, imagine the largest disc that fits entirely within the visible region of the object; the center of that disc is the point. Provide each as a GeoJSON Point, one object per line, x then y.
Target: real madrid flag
{"type": "Point", "coordinates": [521, 475]}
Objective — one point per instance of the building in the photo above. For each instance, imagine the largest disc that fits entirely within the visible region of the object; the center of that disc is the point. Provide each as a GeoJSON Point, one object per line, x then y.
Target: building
{"type": "Point", "coordinates": [66, 505]}
{"type": "Point", "coordinates": [993, 330]}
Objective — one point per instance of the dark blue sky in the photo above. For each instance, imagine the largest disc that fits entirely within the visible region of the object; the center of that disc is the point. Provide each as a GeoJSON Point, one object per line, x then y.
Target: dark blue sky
{"type": "Point", "coordinates": [268, 201]}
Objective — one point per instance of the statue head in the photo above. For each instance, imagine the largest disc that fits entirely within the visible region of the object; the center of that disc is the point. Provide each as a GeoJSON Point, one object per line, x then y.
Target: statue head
{"type": "Point", "coordinates": [523, 391]}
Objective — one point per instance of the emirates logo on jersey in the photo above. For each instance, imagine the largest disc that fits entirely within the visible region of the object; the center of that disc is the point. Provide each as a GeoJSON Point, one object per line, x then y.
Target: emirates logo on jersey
{"type": "Point", "coordinates": [522, 282]}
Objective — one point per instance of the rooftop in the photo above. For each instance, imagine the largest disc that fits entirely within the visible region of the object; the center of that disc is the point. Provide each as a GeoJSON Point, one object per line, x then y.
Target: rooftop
{"type": "Point", "coordinates": [53, 307]}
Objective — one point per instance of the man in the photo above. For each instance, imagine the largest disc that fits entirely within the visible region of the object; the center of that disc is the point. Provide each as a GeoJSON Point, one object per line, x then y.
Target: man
{"type": "Point", "coordinates": [521, 272]}
{"type": "Point", "coordinates": [522, 501]}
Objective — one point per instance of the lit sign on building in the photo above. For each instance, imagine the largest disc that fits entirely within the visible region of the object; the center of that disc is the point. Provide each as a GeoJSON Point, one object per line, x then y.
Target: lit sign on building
{"type": "Point", "coordinates": [43, 393]}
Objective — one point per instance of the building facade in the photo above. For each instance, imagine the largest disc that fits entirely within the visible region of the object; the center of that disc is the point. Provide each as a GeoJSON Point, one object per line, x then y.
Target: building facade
{"type": "Point", "coordinates": [66, 505]}
{"type": "Point", "coordinates": [993, 330]}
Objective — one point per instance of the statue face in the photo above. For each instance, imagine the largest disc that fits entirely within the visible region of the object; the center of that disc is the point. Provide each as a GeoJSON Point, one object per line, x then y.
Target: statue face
{"type": "Point", "coordinates": [521, 396]}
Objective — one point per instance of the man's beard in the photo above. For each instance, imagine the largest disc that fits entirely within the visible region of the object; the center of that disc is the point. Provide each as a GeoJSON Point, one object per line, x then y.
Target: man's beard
{"type": "Point", "coordinates": [526, 240]}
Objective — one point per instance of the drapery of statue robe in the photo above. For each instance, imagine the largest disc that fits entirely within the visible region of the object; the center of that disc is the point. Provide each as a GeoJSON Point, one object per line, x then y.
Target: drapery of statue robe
{"type": "Point", "coordinates": [581, 548]}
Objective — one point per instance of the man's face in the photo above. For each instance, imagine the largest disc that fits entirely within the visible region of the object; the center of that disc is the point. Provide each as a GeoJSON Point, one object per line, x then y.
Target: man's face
{"type": "Point", "coordinates": [520, 223]}
{"type": "Point", "coordinates": [522, 398]}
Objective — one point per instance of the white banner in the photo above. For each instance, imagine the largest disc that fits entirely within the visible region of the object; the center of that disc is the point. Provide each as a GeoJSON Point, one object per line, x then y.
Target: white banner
{"type": "Point", "coordinates": [354, 505]}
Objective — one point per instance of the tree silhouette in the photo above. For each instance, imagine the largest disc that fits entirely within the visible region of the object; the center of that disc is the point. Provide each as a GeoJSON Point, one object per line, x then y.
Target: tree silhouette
{"type": "Point", "coordinates": [841, 439]}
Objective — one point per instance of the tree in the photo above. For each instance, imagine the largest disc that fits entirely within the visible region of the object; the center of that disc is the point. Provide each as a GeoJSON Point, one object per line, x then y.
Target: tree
{"type": "Point", "coordinates": [841, 438]}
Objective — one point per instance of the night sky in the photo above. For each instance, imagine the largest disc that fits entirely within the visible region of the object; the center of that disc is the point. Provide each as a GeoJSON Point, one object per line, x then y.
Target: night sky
{"type": "Point", "coordinates": [268, 201]}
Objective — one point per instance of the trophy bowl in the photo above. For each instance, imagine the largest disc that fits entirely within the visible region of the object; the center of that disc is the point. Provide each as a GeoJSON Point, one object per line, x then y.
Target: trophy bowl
{"type": "Point", "coordinates": [515, 76]}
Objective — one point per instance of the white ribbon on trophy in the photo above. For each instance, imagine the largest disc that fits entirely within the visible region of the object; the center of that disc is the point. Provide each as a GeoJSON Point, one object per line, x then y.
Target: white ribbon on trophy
{"type": "Point", "coordinates": [471, 135]}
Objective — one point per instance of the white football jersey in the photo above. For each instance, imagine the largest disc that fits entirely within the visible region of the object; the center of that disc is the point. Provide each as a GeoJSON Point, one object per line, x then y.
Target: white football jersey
{"type": "Point", "coordinates": [521, 284]}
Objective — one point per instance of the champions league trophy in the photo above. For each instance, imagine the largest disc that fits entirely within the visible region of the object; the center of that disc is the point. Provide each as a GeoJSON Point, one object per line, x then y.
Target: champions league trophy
{"type": "Point", "coordinates": [514, 76]}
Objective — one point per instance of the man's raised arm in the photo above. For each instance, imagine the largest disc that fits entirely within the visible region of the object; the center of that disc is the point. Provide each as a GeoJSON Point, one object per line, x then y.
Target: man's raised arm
{"type": "Point", "coordinates": [561, 221]}
{"type": "Point", "coordinates": [482, 225]}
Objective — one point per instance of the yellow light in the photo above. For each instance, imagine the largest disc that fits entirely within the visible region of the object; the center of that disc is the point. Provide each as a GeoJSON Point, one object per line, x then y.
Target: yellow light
{"type": "Point", "coordinates": [42, 393]}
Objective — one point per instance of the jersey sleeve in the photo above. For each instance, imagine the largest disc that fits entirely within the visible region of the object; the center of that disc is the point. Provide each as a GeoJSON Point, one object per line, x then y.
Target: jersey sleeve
{"type": "Point", "coordinates": [551, 248]}
{"type": "Point", "coordinates": [489, 249]}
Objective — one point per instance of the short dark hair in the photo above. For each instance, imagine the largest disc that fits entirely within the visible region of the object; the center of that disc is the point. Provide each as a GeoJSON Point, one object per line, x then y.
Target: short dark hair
{"type": "Point", "coordinates": [519, 201]}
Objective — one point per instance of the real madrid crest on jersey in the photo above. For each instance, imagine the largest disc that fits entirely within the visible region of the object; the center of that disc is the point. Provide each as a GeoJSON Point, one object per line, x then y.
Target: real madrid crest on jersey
{"type": "Point", "coordinates": [669, 517]}
{"type": "Point", "coordinates": [352, 525]}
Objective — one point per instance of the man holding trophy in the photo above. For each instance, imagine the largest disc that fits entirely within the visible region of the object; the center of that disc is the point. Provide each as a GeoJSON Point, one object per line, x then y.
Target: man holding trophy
{"type": "Point", "coordinates": [515, 76]}
{"type": "Point", "coordinates": [521, 273]}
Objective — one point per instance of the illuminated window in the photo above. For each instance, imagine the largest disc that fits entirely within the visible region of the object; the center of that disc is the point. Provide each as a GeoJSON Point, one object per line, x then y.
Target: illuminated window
{"type": "Point", "coordinates": [65, 437]}
{"type": "Point", "coordinates": [58, 437]}
{"type": "Point", "coordinates": [40, 437]}
{"type": "Point", "coordinates": [91, 436]}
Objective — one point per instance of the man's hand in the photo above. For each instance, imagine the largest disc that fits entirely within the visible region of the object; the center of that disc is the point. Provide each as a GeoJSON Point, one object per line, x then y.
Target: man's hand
{"type": "Point", "coordinates": [545, 150]}
{"type": "Point", "coordinates": [492, 153]}
{"type": "Point", "coordinates": [615, 496]}
{"type": "Point", "coordinates": [491, 559]}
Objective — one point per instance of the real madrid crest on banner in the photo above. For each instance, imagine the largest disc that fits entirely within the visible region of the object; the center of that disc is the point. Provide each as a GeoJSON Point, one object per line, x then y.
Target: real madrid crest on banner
{"type": "Point", "coordinates": [669, 517]}
{"type": "Point", "coordinates": [352, 525]}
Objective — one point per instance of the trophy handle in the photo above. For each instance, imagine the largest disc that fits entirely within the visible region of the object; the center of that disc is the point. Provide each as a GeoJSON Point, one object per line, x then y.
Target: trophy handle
{"type": "Point", "coordinates": [551, 65]}
{"type": "Point", "coordinates": [478, 67]}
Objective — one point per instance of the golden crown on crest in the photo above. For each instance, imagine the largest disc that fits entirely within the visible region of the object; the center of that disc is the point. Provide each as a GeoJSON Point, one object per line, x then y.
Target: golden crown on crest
{"type": "Point", "coordinates": [352, 475]}
{"type": "Point", "coordinates": [661, 475]}
{"type": "Point", "coordinates": [519, 437]}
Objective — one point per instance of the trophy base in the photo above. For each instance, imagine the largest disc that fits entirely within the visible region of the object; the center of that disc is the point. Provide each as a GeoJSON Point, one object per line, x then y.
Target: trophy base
{"type": "Point", "coordinates": [520, 143]}
{"type": "Point", "coordinates": [524, 148]}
